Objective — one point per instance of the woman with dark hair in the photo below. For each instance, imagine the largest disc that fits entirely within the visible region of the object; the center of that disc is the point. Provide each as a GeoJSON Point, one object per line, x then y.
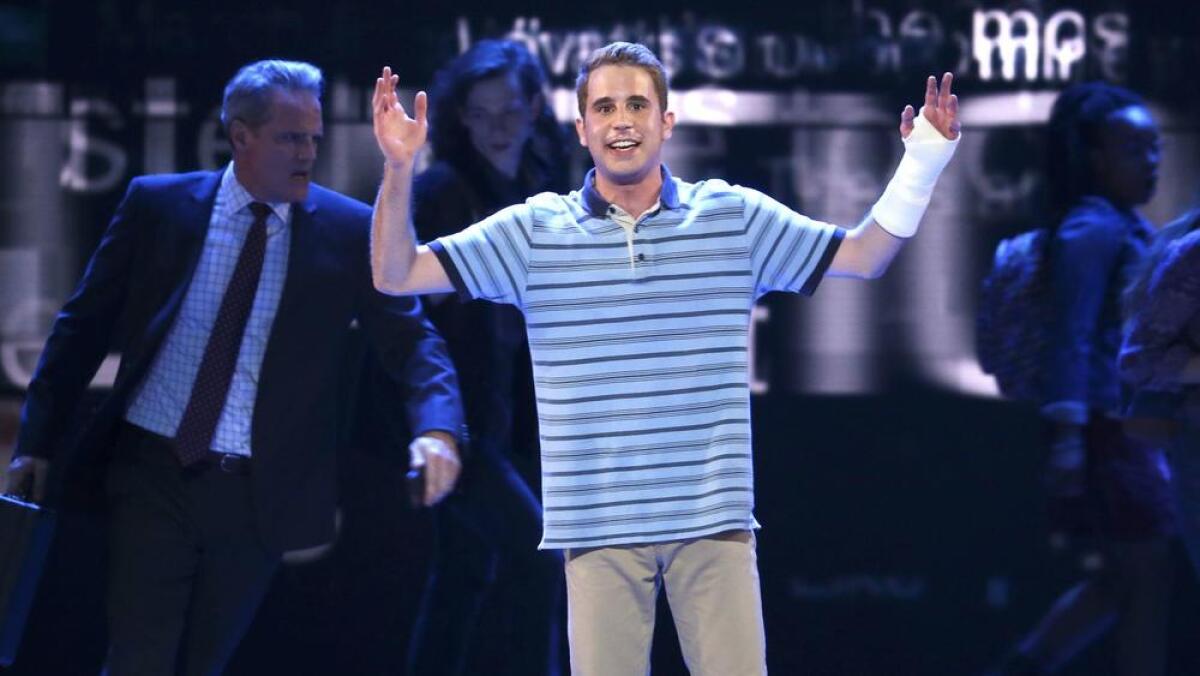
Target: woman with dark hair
{"type": "Point", "coordinates": [1105, 488]}
{"type": "Point", "coordinates": [1161, 354]}
{"type": "Point", "coordinates": [489, 104]}
{"type": "Point", "coordinates": [495, 143]}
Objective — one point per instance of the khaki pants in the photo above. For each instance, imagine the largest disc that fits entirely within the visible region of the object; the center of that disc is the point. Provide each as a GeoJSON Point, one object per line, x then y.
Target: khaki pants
{"type": "Point", "coordinates": [712, 586]}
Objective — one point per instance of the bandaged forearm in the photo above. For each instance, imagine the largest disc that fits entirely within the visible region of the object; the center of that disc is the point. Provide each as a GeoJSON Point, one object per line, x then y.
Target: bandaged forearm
{"type": "Point", "coordinates": [903, 202]}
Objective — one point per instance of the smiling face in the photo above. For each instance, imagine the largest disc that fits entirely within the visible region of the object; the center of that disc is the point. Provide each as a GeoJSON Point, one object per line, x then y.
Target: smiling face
{"type": "Point", "coordinates": [623, 125]}
{"type": "Point", "coordinates": [499, 120]}
{"type": "Point", "coordinates": [275, 160]}
{"type": "Point", "coordinates": [1126, 157]}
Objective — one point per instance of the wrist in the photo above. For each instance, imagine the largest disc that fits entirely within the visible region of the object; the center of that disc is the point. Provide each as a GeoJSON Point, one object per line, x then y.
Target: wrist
{"type": "Point", "coordinates": [1066, 433]}
{"type": "Point", "coordinates": [443, 436]}
{"type": "Point", "coordinates": [398, 165]}
{"type": "Point", "coordinates": [1066, 412]}
{"type": "Point", "coordinates": [904, 200]}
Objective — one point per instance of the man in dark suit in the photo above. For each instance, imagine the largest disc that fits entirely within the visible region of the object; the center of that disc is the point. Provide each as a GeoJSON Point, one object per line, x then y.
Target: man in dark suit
{"type": "Point", "coordinates": [235, 292]}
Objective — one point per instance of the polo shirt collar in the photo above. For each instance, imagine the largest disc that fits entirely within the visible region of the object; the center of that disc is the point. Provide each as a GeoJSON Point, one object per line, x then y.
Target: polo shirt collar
{"type": "Point", "coordinates": [597, 206]}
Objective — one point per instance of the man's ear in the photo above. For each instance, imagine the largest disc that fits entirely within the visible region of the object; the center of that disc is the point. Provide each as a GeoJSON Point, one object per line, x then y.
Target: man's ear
{"type": "Point", "coordinates": [668, 124]}
{"type": "Point", "coordinates": [580, 131]}
{"type": "Point", "coordinates": [536, 103]}
{"type": "Point", "coordinates": [239, 134]}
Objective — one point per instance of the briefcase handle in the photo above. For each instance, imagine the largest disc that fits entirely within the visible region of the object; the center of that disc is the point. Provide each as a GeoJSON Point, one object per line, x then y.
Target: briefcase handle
{"type": "Point", "coordinates": [18, 502]}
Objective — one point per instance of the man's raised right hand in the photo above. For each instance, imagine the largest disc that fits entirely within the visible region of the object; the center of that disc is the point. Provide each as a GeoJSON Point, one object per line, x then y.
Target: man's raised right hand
{"type": "Point", "coordinates": [400, 137]}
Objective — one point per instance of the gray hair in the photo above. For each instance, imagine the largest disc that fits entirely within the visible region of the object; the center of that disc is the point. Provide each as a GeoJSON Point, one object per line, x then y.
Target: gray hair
{"type": "Point", "coordinates": [248, 94]}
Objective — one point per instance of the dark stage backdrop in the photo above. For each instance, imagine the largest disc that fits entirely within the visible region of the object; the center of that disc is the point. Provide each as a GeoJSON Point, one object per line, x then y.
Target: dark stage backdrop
{"type": "Point", "coordinates": [903, 523]}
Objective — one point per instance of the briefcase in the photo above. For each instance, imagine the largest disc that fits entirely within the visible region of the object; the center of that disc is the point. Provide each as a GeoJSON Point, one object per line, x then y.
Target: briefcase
{"type": "Point", "coordinates": [25, 530]}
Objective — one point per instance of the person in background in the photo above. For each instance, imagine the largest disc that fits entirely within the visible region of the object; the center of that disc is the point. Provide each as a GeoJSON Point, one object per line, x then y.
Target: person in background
{"type": "Point", "coordinates": [1105, 488]}
{"type": "Point", "coordinates": [495, 143]}
{"type": "Point", "coordinates": [1161, 354]}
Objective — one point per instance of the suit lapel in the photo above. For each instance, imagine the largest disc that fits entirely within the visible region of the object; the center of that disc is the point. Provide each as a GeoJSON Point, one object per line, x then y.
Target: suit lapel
{"type": "Point", "coordinates": [288, 326]}
{"type": "Point", "coordinates": [176, 244]}
{"type": "Point", "coordinates": [302, 259]}
{"type": "Point", "coordinates": [189, 230]}
{"type": "Point", "coordinates": [181, 242]}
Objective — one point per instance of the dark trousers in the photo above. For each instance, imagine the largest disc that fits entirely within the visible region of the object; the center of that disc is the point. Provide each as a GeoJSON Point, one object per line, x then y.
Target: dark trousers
{"type": "Point", "coordinates": [186, 568]}
{"type": "Point", "coordinates": [493, 522]}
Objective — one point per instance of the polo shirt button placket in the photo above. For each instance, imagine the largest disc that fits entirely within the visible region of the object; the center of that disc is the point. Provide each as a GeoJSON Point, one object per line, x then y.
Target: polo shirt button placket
{"type": "Point", "coordinates": [640, 257]}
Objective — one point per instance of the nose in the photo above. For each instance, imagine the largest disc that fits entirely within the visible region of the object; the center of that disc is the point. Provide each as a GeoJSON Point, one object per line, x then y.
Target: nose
{"type": "Point", "coordinates": [497, 124]}
{"type": "Point", "coordinates": [306, 148]}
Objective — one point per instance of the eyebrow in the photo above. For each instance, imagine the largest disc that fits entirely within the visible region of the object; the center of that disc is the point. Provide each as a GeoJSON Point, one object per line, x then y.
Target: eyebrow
{"type": "Point", "coordinates": [608, 100]}
{"type": "Point", "coordinates": [293, 134]}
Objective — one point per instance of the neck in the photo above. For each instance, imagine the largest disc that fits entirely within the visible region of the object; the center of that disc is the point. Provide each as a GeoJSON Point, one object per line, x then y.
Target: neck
{"type": "Point", "coordinates": [1121, 205]}
{"type": "Point", "coordinates": [635, 198]}
{"type": "Point", "coordinates": [507, 167]}
{"type": "Point", "coordinates": [248, 185]}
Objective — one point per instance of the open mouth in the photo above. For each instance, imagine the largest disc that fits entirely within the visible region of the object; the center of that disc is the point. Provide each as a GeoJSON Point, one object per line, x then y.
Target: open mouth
{"type": "Point", "coordinates": [623, 144]}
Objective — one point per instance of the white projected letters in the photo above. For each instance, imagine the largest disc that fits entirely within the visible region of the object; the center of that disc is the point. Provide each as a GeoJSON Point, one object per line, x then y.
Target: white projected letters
{"type": "Point", "coordinates": [1029, 50]}
{"type": "Point", "coordinates": [998, 45]}
{"type": "Point", "coordinates": [81, 145]}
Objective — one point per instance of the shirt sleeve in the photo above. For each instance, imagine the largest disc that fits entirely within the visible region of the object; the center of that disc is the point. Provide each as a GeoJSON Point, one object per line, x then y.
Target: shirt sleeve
{"type": "Point", "coordinates": [788, 251]}
{"type": "Point", "coordinates": [1083, 257]}
{"type": "Point", "coordinates": [1157, 345]}
{"type": "Point", "coordinates": [490, 260]}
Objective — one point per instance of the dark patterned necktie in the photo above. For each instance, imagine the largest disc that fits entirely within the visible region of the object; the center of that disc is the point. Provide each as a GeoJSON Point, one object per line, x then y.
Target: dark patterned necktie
{"type": "Point", "coordinates": [211, 388]}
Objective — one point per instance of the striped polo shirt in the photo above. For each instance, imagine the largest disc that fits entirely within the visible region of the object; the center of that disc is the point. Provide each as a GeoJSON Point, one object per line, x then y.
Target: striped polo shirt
{"type": "Point", "coordinates": [638, 337]}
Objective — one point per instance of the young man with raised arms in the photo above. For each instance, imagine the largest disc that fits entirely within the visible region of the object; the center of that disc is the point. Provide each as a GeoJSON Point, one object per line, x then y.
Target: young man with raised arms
{"type": "Point", "coordinates": [637, 291]}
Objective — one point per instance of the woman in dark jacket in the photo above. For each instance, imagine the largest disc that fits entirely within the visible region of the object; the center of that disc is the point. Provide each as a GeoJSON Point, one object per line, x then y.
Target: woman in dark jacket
{"type": "Point", "coordinates": [1105, 488]}
{"type": "Point", "coordinates": [1161, 354]}
{"type": "Point", "coordinates": [495, 144]}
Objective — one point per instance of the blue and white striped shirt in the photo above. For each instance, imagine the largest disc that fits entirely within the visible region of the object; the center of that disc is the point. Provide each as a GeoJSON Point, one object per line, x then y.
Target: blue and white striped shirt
{"type": "Point", "coordinates": [639, 336]}
{"type": "Point", "coordinates": [162, 397]}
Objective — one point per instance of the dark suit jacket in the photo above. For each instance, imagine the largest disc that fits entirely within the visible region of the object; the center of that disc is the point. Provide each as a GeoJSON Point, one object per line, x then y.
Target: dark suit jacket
{"type": "Point", "coordinates": [135, 285]}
